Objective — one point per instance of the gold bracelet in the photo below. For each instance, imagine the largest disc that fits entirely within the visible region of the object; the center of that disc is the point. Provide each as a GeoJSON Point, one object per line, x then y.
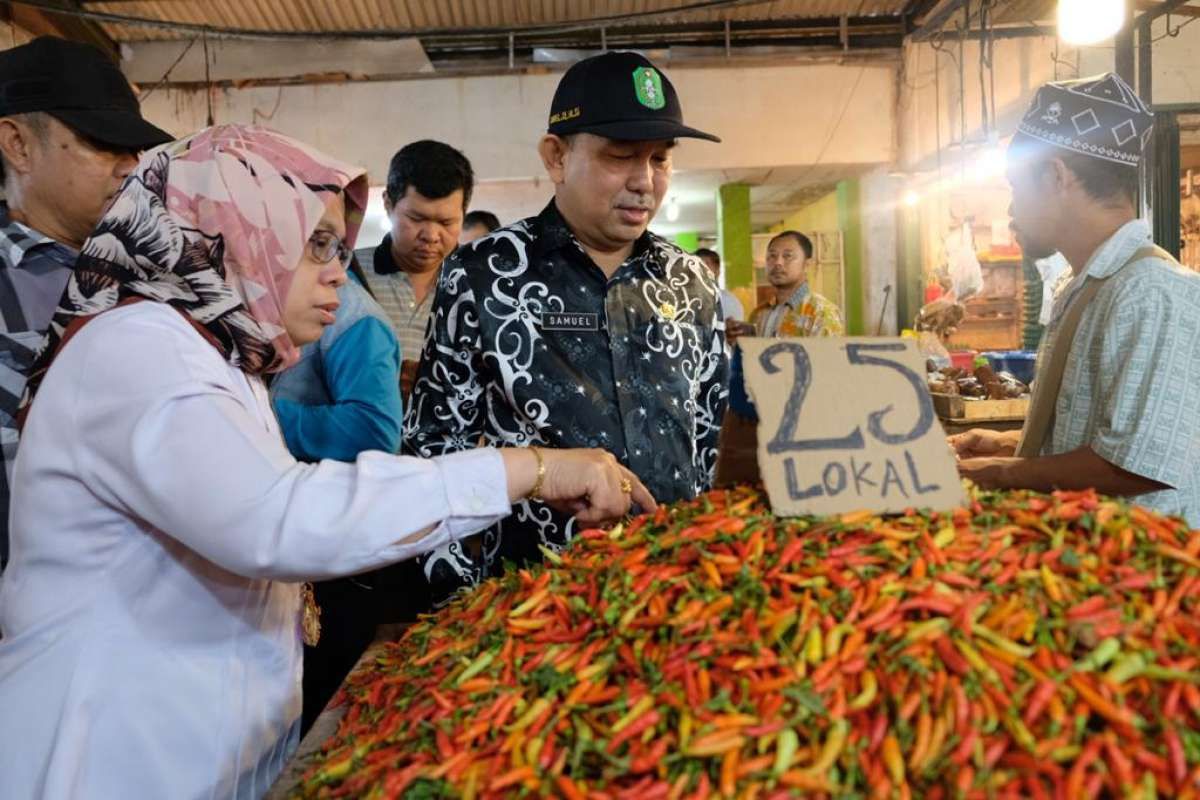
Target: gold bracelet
{"type": "Point", "coordinates": [536, 492]}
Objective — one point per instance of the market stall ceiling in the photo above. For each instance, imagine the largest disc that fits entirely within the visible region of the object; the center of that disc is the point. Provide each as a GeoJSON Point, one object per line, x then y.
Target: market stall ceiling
{"type": "Point", "coordinates": [416, 15]}
{"type": "Point", "coordinates": [1024, 12]}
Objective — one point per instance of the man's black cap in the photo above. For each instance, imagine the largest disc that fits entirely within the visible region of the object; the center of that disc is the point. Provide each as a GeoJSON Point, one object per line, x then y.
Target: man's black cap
{"type": "Point", "coordinates": [619, 95]}
{"type": "Point", "coordinates": [78, 85]}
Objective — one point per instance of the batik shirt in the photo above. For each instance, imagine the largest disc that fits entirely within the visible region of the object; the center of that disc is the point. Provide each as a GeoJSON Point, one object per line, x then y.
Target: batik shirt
{"type": "Point", "coordinates": [805, 313]}
{"type": "Point", "coordinates": [531, 344]}
{"type": "Point", "coordinates": [33, 273]}
{"type": "Point", "coordinates": [1131, 389]}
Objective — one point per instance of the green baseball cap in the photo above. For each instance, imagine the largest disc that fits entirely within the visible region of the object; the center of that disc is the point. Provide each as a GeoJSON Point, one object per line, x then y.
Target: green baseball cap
{"type": "Point", "coordinates": [619, 95]}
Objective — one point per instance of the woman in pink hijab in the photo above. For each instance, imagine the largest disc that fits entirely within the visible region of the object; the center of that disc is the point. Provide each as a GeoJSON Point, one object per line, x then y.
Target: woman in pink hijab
{"type": "Point", "coordinates": [154, 605]}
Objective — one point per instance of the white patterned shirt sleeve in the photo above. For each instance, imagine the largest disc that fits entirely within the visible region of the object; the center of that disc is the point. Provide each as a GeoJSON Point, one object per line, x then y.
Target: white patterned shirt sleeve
{"type": "Point", "coordinates": [1131, 390]}
{"type": "Point", "coordinates": [1150, 410]}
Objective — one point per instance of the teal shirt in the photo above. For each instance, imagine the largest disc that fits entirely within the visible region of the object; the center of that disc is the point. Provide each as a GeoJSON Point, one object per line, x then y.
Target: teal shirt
{"type": "Point", "coordinates": [1131, 389]}
{"type": "Point", "coordinates": [343, 396]}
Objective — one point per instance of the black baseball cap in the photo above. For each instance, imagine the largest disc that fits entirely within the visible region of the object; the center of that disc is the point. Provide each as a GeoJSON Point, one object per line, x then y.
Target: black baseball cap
{"type": "Point", "coordinates": [619, 95]}
{"type": "Point", "coordinates": [78, 85]}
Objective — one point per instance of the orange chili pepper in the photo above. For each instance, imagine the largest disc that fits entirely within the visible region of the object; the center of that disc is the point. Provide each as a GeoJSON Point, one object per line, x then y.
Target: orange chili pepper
{"type": "Point", "coordinates": [512, 778]}
{"type": "Point", "coordinates": [729, 770]}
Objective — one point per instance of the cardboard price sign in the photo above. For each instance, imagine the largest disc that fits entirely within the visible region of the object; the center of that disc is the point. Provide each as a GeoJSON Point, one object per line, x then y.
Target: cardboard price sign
{"type": "Point", "coordinates": [847, 425]}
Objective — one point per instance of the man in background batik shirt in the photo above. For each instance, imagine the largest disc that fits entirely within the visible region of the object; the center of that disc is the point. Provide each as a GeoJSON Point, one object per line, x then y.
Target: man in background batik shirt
{"type": "Point", "coordinates": [795, 310]}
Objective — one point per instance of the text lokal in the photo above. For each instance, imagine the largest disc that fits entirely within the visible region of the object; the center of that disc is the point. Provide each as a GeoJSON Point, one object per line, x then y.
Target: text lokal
{"type": "Point", "coordinates": [860, 478]}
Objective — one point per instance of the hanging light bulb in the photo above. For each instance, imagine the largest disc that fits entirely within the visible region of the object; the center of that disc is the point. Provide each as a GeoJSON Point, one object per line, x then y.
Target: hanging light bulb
{"type": "Point", "coordinates": [672, 210]}
{"type": "Point", "coordinates": [1082, 22]}
{"type": "Point", "coordinates": [911, 198]}
{"type": "Point", "coordinates": [989, 164]}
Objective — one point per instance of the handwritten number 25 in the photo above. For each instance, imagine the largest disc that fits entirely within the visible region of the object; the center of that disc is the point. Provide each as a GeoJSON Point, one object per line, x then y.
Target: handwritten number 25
{"type": "Point", "coordinates": [785, 440]}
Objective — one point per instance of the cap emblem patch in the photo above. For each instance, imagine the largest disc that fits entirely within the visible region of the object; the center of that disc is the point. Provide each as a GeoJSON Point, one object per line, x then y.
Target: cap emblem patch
{"type": "Point", "coordinates": [647, 83]}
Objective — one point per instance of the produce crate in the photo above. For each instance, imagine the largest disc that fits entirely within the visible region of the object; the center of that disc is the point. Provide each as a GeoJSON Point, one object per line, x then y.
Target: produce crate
{"type": "Point", "coordinates": [957, 408]}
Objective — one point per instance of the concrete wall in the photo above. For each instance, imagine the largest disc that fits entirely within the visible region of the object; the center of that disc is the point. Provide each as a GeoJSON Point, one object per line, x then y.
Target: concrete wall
{"type": "Point", "coordinates": [1176, 65]}
{"type": "Point", "coordinates": [821, 215]}
{"type": "Point", "coordinates": [847, 116]}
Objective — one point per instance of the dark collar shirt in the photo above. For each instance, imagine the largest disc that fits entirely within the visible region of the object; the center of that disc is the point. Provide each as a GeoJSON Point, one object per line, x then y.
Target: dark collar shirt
{"type": "Point", "coordinates": [34, 270]}
{"type": "Point", "coordinates": [531, 344]}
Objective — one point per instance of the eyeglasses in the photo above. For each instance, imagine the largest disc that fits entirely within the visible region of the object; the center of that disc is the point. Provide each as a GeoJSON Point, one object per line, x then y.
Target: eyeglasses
{"type": "Point", "coordinates": [324, 246]}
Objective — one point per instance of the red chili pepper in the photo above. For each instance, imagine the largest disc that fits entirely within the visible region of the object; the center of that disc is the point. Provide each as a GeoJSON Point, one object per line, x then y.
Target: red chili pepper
{"type": "Point", "coordinates": [879, 729]}
{"type": "Point", "coordinates": [1078, 773]}
{"type": "Point", "coordinates": [1038, 701]}
{"type": "Point", "coordinates": [568, 788]}
{"type": "Point", "coordinates": [934, 604]}
{"type": "Point", "coordinates": [950, 656]}
{"type": "Point", "coordinates": [632, 618]}
{"type": "Point", "coordinates": [879, 615]}
{"type": "Point", "coordinates": [652, 757]}
{"type": "Point", "coordinates": [965, 748]}
{"type": "Point", "coordinates": [637, 728]}
{"type": "Point", "coordinates": [1175, 756]}
{"type": "Point", "coordinates": [789, 554]}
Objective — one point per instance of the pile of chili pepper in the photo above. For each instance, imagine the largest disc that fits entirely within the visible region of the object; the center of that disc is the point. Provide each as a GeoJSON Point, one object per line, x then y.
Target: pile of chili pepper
{"type": "Point", "coordinates": [1027, 646]}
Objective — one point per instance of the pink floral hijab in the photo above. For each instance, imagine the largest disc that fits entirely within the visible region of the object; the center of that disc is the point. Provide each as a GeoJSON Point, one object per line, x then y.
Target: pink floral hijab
{"type": "Point", "coordinates": [215, 225]}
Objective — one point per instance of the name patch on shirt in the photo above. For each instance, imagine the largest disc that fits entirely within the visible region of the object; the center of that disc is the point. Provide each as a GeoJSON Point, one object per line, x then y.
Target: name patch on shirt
{"type": "Point", "coordinates": [570, 321]}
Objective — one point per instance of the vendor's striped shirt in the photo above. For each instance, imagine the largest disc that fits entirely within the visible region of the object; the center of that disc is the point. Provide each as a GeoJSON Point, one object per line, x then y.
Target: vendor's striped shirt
{"type": "Point", "coordinates": [394, 292]}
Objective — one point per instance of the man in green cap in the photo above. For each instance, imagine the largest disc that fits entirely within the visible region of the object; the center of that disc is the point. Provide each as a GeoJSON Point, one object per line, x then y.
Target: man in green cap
{"type": "Point", "coordinates": [579, 327]}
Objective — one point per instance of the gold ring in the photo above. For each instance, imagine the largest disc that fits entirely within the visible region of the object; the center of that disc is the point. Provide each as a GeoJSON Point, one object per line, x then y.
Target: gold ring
{"type": "Point", "coordinates": [626, 486]}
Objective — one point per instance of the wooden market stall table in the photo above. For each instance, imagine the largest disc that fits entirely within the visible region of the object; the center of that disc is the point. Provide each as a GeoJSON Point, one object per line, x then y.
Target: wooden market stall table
{"type": "Point", "coordinates": [327, 723]}
{"type": "Point", "coordinates": [959, 414]}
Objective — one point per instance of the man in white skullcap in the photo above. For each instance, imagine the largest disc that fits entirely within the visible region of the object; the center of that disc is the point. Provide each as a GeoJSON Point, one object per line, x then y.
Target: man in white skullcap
{"type": "Point", "coordinates": [1116, 401]}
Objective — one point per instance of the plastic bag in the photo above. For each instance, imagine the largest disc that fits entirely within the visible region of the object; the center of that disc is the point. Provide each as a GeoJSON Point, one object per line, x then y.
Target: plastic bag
{"type": "Point", "coordinates": [963, 263]}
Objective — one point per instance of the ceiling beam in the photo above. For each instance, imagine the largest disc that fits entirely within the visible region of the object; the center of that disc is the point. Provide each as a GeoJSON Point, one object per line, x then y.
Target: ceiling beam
{"type": "Point", "coordinates": [44, 22]}
{"type": "Point", "coordinates": [936, 19]}
{"type": "Point", "coordinates": [1156, 7]}
{"type": "Point", "coordinates": [870, 32]}
{"type": "Point", "coordinates": [915, 11]}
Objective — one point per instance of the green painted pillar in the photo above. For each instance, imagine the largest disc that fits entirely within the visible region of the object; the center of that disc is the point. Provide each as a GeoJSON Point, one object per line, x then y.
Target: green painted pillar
{"type": "Point", "coordinates": [688, 241]}
{"type": "Point", "coordinates": [733, 235]}
{"type": "Point", "coordinates": [851, 222]}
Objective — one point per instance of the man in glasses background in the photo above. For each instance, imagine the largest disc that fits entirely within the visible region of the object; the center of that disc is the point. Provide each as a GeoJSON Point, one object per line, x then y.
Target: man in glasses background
{"type": "Point", "coordinates": [428, 190]}
{"type": "Point", "coordinates": [340, 399]}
